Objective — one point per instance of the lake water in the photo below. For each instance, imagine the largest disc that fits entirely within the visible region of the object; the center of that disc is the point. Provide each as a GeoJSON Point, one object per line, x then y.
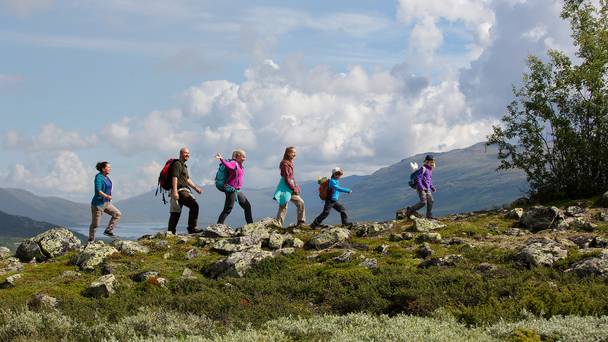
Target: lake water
{"type": "Point", "coordinates": [129, 231]}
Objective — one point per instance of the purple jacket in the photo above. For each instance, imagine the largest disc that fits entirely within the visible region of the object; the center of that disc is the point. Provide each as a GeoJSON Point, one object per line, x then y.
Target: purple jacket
{"type": "Point", "coordinates": [425, 179]}
{"type": "Point", "coordinates": [235, 173]}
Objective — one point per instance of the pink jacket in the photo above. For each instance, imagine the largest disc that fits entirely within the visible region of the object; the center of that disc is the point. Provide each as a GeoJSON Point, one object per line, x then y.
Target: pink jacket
{"type": "Point", "coordinates": [235, 173]}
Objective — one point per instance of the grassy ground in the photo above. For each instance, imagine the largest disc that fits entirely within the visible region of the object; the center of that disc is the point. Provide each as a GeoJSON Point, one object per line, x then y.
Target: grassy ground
{"type": "Point", "coordinates": [309, 285]}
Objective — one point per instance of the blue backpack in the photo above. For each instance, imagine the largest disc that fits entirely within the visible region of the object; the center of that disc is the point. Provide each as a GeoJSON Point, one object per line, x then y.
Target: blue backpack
{"type": "Point", "coordinates": [221, 178]}
{"type": "Point", "coordinates": [413, 183]}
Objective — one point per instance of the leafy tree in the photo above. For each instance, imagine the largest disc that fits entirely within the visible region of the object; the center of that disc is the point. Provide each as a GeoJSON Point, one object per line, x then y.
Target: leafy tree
{"type": "Point", "coordinates": [556, 128]}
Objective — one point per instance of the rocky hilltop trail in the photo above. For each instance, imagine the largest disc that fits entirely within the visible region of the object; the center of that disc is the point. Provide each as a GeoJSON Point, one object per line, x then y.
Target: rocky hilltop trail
{"type": "Point", "coordinates": [479, 268]}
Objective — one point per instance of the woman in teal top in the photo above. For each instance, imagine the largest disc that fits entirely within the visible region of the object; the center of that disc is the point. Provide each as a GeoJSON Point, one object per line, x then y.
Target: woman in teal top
{"type": "Point", "coordinates": [102, 201]}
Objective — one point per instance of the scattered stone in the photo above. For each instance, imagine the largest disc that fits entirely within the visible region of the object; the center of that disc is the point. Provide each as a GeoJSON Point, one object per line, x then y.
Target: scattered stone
{"type": "Point", "coordinates": [382, 249]}
{"type": "Point", "coordinates": [5, 253]}
{"type": "Point", "coordinates": [218, 231]}
{"type": "Point", "coordinates": [541, 252]}
{"type": "Point", "coordinates": [229, 246]}
{"type": "Point", "coordinates": [328, 238]}
{"type": "Point", "coordinates": [370, 228]}
{"type": "Point", "coordinates": [582, 241]}
{"type": "Point", "coordinates": [429, 237]}
{"type": "Point", "coordinates": [447, 261]}
{"type": "Point", "coordinates": [204, 242]}
{"type": "Point", "coordinates": [145, 276]}
{"type": "Point", "coordinates": [540, 218]}
{"type": "Point", "coordinates": [162, 244]}
{"type": "Point", "coordinates": [10, 282]}
{"type": "Point", "coordinates": [485, 267]}
{"type": "Point", "coordinates": [93, 254]}
{"type": "Point", "coordinates": [591, 266]}
{"type": "Point", "coordinates": [346, 256]}
{"type": "Point", "coordinates": [188, 274]}
{"type": "Point", "coordinates": [294, 242]}
{"type": "Point", "coordinates": [580, 224]}
{"type": "Point", "coordinates": [257, 230]}
{"type": "Point", "coordinates": [192, 253]}
{"type": "Point", "coordinates": [369, 263]}
{"type": "Point", "coordinates": [164, 235]}
{"type": "Point", "coordinates": [515, 232]}
{"type": "Point", "coordinates": [102, 287]}
{"type": "Point", "coordinates": [575, 211]}
{"type": "Point", "coordinates": [162, 282]}
{"type": "Point", "coordinates": [42, 302]}
{"type": "Point", "coordinates": [183, 239]}
{"type": "Point", "coordinates": [56, 242]}
{"type": "Point", "coordinates": [395, 237]}
{"type": "Point", "coordinates": [515, 214]}
{"type": "Point", "coordinates": [455, 241]}
{"type": "Point", "coordinates": [29, 250]}
{"type": "Point", "coordinates": [130, 248]}
{"type": "Point", "coordinates": [10, 265]}
{"type": "Point", "coordinates": [70, 274]}
{"type": "Point", "coordinates": [275, 241]}
{"type": "Point", "coordinates": [424, 251]}
{"type": "Point", "coordinates": [426, 225]}
{"type": "Point", "coordinates": [237, 264]}
{"type": "Point", "coordinates": [285, 251]}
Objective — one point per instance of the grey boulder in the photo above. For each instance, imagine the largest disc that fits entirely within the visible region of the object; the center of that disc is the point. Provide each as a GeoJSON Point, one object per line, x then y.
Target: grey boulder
{"type": "Point", "coordinates": [102, 287]}
{"type": "Point", "coordinates": [237, 264]}
{"type": "Point", "coordinates": [130, 248]}
{"type": "Point", "coordinates": [93, 254]}
{"type": "Point", "coordinates": [540, 218]}
{"type": "Point", "coordinates": [328, 238]}
{"type": "Point", "coordinates": [541, 252]}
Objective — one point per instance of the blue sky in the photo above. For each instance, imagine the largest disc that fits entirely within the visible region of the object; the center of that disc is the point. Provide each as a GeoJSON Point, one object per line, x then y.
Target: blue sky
{"type": "Point", "coordinates": [360, 84]}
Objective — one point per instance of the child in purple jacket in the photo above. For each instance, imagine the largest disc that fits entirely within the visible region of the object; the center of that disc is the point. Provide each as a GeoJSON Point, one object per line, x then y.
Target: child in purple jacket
{"type": "Point", "coordinates": [425, 188]}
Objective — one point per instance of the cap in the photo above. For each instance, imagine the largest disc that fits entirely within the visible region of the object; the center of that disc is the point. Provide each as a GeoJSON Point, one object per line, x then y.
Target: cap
{"type": "Point", "coordinates": [429, 157]}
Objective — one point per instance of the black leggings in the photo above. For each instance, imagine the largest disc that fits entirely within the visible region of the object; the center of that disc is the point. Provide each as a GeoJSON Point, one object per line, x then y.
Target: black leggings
{"type": "Point", "coordinates": [329, 204]}
{"type": "Point", "coordinates": [231, 197]}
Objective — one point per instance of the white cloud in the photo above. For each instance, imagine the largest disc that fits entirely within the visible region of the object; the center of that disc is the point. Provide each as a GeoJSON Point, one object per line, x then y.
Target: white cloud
{"type": "Point", "coordinates": [50, 138]}
{"type": "Point", "coordinates": [24, 8]}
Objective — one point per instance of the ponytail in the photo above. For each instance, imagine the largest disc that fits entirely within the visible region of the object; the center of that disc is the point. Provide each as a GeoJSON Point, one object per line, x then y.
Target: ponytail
{"type": "Point", "coordinates": [101, 165]}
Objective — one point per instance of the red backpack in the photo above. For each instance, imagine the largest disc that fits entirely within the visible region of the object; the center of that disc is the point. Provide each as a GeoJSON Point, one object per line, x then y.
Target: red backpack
{"type": "Point", "coordinates": [164, 179]}
{"type": "Point", "coordinates": [323, 188]}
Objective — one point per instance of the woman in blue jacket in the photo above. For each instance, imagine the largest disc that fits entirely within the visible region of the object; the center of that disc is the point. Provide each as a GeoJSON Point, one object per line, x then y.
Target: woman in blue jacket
{"type": "Point", "coordinates": [333, 196]}
{"type": "Point", "coordinates": [102, 202]}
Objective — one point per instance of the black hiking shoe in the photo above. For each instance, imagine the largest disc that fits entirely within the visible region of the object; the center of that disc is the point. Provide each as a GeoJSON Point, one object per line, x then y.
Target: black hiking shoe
{"type": "Point", "coordinates": [194, 231]}
{"type": "Point", "coordinates": [109, 233]}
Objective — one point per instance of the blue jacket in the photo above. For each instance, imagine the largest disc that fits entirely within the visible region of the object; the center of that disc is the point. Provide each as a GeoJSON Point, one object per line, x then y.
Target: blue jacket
{"type": "Point", "coordinates": [335, 189]}
{"type": "Point", "coordinates": [102, 183]}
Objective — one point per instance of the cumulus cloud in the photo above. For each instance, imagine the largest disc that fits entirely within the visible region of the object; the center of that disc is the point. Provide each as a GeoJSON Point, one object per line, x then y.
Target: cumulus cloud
{"type": "Point", "coordinates": [50, 138]}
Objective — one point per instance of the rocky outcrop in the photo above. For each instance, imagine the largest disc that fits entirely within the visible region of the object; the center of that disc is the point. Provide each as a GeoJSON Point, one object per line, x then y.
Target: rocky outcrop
{"type": "Point", "coordinates": [238, 244]}
{"type": "Point", "coordinates": [50, 244]}
{"type": "Point", "coordinates": [401, 214]}
{"type": "Point", "coordinates": [515, 214]}
{"type": "Point", "coordinates": [5, 253]}
{"type": "Point", "coordinates": [369, 263]}
{"type": "Point", "coordinates": [237, 264]}
{"type": "Point", "coordinates": [540, 218]}
{"type": "Point", "coordinates": [371, 228]}
{"type": "Point", "coordinates": [93, 254]}
{"type": "Point", "coordinates": [10, 265]}
{"type": "Point", "coordinates": [541, 252]}
{"type": "Point", "coordinates": [328, 238]}
{"type": "Point", "coordinates": [218, 231]}
{"type": "Point", "coordinates": [102, 287]}
{"type": "Point", "coordinates": [346, 256]}
{"type": "Point", "coordinates": [42, 302]}
{"type": "Point", "coordinates": [426, 225]}
{"type": "Point", "coordinates": [429, 237]}
{"type": "Point", "coordinates": [591, 266]}
{"type": "Point", "coordinates": [130, 248]}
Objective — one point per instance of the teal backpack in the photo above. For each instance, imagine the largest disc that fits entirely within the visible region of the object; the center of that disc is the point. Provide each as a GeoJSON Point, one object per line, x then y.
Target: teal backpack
{"type": "Point", "coordinates": [221, 177]}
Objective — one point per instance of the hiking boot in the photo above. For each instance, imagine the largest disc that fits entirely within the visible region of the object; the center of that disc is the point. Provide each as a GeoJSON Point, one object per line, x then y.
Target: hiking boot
{"type": "Point", "coordinates": [194, 231]}
{"type": "Point", "coordinates": [109, 233]}
{"type": "Point", "coordinates": [315, 225]}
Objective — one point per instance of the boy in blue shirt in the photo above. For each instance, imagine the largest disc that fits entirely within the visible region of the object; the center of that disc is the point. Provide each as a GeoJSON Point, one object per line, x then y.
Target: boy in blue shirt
{"type": "Point", "coordinates": [333, 196]}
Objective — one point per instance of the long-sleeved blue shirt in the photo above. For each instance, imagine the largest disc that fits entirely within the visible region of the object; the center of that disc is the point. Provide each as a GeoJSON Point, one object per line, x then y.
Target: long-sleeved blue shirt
{"type": "Point", "coordinates": [335, 189]}
{"type": "Point", "coordinates": [104, 184]}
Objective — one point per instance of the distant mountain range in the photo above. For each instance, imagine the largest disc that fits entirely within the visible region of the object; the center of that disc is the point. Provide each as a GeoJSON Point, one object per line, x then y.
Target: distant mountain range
{"type": "Point", "coordinates": [466, 180]}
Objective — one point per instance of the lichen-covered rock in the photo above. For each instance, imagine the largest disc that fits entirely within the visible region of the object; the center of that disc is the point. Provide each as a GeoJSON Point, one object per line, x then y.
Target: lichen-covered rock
{"type": "Point", "coordinates": [370, 228]}
{"type": "Point", "coordinates": [329, 237]}
{"type": "Point", "coordinates": [446, 261]}
{"type": "Point", "coordinates": [10, 282]}
{"type": "Point", "coordinates": [276, 240]}
{"type": "Point", "coordinates": [294, 242]}
{"type": "Point", "coordinates": [369, 263]}
{"type": "Point", "coordinates": [10, 265]}
{"type": "Point", "coordinates": [429, 237]}
{"type": "Point", "coordinates": [575, 211]}
{"type": "Point", "coordinates": [424, 251]}
{"type": "Point", "coordinates": [578, 223]}
{"type": "Point", "coordinates": [285, 251]}
{"type": "Point", "coordinates": [183, 239]}
{"type": "Point", "coordinates": [102, 287]}
{"type": "Point", "coordinates": [144, 276]}
{"type": "Point", "coordinates": [5, 253]}
{"type": "Point", "coordinates": [382, 249]}
{"type": "Point", "coordinates": [592, 266]}
{"type": "Point", "coordinates": [130, 248]}
{"type": "Point", "coordinates": [515, 232]}
{"type": "Point", "coordinates": [192, 253]}
{"type": "Point", "coordinates": [539, 218]}
{"type": "Point", "coordinates": [164, 235]}
{"type": "Point", "coordinates": [426, 225]}
{"type": "Point", "coordinates": [257, 230]}
{"type": "Point", "coordinates": [42, 302]}
{"type": "Point", "coordinates": [29, 250]}
{"type": "Point", "coordinates": [402, 214]}
{"type": "Point", "coordinates": [70, 274]}
{"type": "Point", "coordinates": [229, 246]}
{"type": "Point", "coordinates": [541, 252]}
{"type": "Point", "coordinates": [218, 231]}
{"type": "Point", "coordinates": [582, 241]}
{"type": "Point", "coordinates": [57, 241]}
{"type": "Point", "coordinates": [187, 274]}
{"type": "Point", "coordinates": [515, 214]}
{"type": "Point", "coordinates": [237, 264]}
{"type": "Point", "coordinates": [93, 254]}
{"type": "Point", "coordinates": [346, 256]}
